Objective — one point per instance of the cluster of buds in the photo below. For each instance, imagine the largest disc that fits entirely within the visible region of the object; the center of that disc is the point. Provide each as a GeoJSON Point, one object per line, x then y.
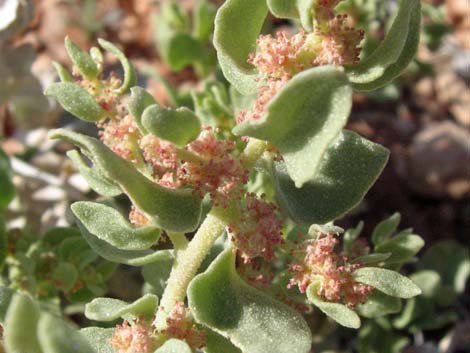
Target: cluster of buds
{"type": "Point", "coordinates": [180, 325]}
{"type": "Point", "coordinates": [278, 58]}
{"type": "Point", "coordinates": [207, 165]}
{"type": "Point", "coordinates": [134, 337]}
{"type": "Point", "coordinates": [258, 229]}
{"type": "Point", "coordinates": [317, 262]}
{"type": "Point", "coordinates": [121, 135]}
{"type": "Point", "coordinates": [257, 273]}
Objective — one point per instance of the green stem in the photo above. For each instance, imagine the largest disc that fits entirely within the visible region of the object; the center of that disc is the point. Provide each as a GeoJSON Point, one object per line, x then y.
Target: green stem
{"type": "Point", "coordinates": [179, 240]}
{"type": "Point", "coordinates": [187, 261]}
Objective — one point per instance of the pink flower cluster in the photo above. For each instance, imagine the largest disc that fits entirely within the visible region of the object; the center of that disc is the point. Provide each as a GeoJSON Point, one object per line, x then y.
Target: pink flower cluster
{"type": "Point", "coordinates": [181, 326]}
{"type": "Point", "coordinates": [316, 260]}
{"type": "Point", "coordinates": [207, 165]}
{"type": "Point", "coordinates": [134, 337]}
{"type": "Point", "coordinates": [258, 230]}
{"type": "Point", "coordinates": [121, 136]}
{"type": "Point", "coordinates": [279, 58]}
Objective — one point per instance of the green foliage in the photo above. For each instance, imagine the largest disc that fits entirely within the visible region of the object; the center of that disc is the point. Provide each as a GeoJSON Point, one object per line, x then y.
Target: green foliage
{"type": "Point", "coordinates": [108, 309]}
{"type": "Point", "coordinates": [81, 59]}
{"type": "Point", "coordinates": [304, 119]}
{"type": "Point", "coordinates": [395, 52]}
{"type": "Point", "coordinates": [174, 210]}
{"type": "Point", "coordinates": [109, 225]}
{"type": "Point", "coordinates": [338, 312]}
{"type": "Point", "coordinates": [7, 189]}
{"type": "Point", "coordinates": [388, 282]}
{"type": "Point", "coordinates": [99, 338]}
{"type": "Point", "coordinates": [345, 173]}
{"type": "Point", "coordinates": [174, 346]}
{"type": "Point", "coordinates": [237, 25]}
{"type": "Point", "coordinates": [220, 300]}
{"type": "Point", "coordinates": [179, 126]}
{"type": "Point", "coordinates": [76, 100]}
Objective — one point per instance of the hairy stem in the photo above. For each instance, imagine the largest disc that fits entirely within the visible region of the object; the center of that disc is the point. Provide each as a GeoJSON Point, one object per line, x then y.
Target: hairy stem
{"type": "Point", "coordinates": [188, 260]}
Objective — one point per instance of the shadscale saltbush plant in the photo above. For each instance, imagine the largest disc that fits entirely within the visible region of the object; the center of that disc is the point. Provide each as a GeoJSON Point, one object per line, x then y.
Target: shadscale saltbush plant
{"type": "Point", "coordinates": [245, 188]}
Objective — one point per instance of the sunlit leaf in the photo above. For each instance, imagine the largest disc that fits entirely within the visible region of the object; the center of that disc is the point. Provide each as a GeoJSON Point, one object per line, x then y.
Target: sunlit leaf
{"type": "Point", "coordinates": [109, 309]}
{"type": "Point", "coordinates": [253, 321]}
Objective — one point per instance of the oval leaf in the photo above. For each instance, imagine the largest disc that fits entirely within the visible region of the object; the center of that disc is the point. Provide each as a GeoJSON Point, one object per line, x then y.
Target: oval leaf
{"type": "Point", "coordinates": [76, 100]}
{"type": "Point", "coordinates": [401, 247]}
{"type": "Point", "coordinates": [174, 346]}
{"type": "Point", "coordinates": [109, 225]}
{"type": "Point", "coordinates": [58, 336]}
{"type": "Point", "coordinates": [219, 299]}
{"type": "Point", "coordinates": [173, 210]}
{"type": "Point", "coordinates": [386, 228]}
{"type": "Point", "coordinates": [99, 338]}
{"type": "Point", "coordinates": [81, 59]}
{"type": "Point", "coordinates": [379, 304]}
{"type": "Point", "coordinates": [108, 309]}
{"type": "Point", "coordinates": [338, 312]}
{"type": "Point", "coordinates": [304, 118]}
{"type": "Point", "coordinates": [347, 171]}
{"type": "Point", "coordinates": [179, 126]}
{"type": "Point", "coordinates": [395, 52]}
{"type": "Point", "coordinates": [140, 99]}
{"type": "Point", "coordinates": [388, 282]}
{"type": "Point", "coordinates": [20, 325]}
{"type": "Point", "coordinates": [237, 26]}
{"type": "Point", "coordinates": [130, 77]}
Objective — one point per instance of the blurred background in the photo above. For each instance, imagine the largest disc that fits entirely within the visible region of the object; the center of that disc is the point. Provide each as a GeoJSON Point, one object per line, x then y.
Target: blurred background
{"type": "Point", "coordinates": [423, 118]}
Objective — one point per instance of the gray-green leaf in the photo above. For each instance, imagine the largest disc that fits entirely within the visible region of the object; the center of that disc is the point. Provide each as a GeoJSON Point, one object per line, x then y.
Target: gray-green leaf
{"type": "Point", "coordinates": [109, 309]}
{"type": "Point", "coordinates": [387, 281]}
{"type": "Point", "coordinates": [253, 321]}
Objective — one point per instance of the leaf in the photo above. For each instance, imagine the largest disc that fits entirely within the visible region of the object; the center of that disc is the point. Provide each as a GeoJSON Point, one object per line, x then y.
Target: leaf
{"type": "Point", "coordinates": [93, 177]}
{"type": "Point", "coordinates": [130, 76]}
{"type": "Point", "coordinates": [64, 75]}
{"type": "Point", "coordinates": [219, 299]}
{"type": "Point", "coordinates": [6, 294]}
{"type": "Point", "coordinates": [179, 126]}
{"type": "Point", "coordinates": [237, 26]}
{"type": "Point", "coordinates": [98, 338]}
{"type": "Point", "coordinates": [20, 326]}
{"type": "Point", "coordinates": [64, 275]}
{"type": "Point", "coordinates": [402, 247]}
{"type": "Point", "coordinates": [58, 336]}
{"type": "Point", "coordinates": [108, 309]}
{"type": "Point", "coordinates": [294, 10]}
{"type": "Point", "coordinates": [76, 100]}
{"type": "Point", "coordinates": [157, 273]}
{"type": "Point", "coordinates": [304, 118]}
{"type": "Point", "coordinates": [338, 312]}
{"type": "Point", "coordinates": [109, 225]}
{"type": "Point", "coordinates": [385, 229]}
{"type": "Point", "coordinates": [173, 210]}
{"type": "Point", "coordinates": [387, 281]}
{"type": "Point", "coordinates": [174, 346]}
{"type": "Point", "coordinates": [395, 52]}
{"type": "Point", "coordinates": [217, 344]}
{"type": "Point", "coordinates": [204, 15]}
{"type": "Point", "coordinates": [140, 99]}
{"type": "Point", "coordinates": [379, 304]}
{"type": "Point", "coordinates": [428, 281]}
{"type": "Point", "coordinates": [347, 171]}
{"type": "Point", "coordinates": [7, 189]}
{"type": "Point", "coordinates": [372, 258]}
{"type": "Point", "coordinates": [81, 59]}
{"type": "Point", "coordinates": [3, 242]}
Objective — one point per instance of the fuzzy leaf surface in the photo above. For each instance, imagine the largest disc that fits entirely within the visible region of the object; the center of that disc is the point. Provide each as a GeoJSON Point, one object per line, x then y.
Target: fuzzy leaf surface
{"type": "Point", "coordinates": [21, 323]}
{"type": "Point", "coordinates": [395, 52]}
{"type": "Point", "coordinates": [386, 228]}
{"type": "Point", "coordinates": [174, 346]}
{"type": "Point", "coordinates": [304, 118]}
{"type": "Point", "coordinates": [109, 309]}
{"type": "Point", "coordinates": [348, 169]}
{"type": "Point", "coordinates": [99, 338]}
{"type": "Point", "coordinates": [237, 26]}
{"type": "Point", "coordinates": [58, 336]}
{"type": "Point", "coordinates": [81, 59]}
{"type": "Point", "coordinates": [130, 76]}
{"type": "Point", "coordinates": [76, 100]}
{"type": "Point", "coordinates": [253, 321]}
{"type": "Point", "coordinates": [173, 210]}
{"type": "Point", "coordinates": [389, 282]}
{"type": "Point", "coordinates": [179, 126]}
{"type": "Point", "coordinates": [338, 312]}
{"type": "Point", "coordinates": [109, 225]}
